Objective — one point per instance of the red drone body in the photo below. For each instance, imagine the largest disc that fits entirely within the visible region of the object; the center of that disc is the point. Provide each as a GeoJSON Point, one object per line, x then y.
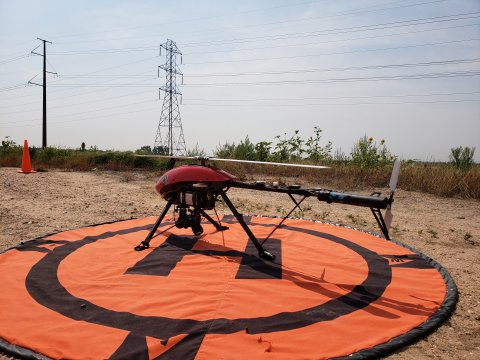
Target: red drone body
{"type": "Point", "coordinates": [171, 180]}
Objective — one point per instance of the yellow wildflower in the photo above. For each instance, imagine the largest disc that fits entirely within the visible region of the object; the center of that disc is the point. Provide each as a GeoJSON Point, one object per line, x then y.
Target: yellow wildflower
{"type": "Point", "coordinates": [383, 141]}
{"type": "Point", "coordinates": [374, 152]}
{"type": "Point", "coordinates": [391, 157]}
{"type": "Point", "coordinates": [360, 143]}
{"type": "Point", "coordinates": [370, 139]}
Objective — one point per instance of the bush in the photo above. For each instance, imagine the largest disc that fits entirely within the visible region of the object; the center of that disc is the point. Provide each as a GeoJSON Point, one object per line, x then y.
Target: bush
{"type": "Point", "coordinates": [366, 153]}
{"type": "Point", "coordinates": [462, 158]}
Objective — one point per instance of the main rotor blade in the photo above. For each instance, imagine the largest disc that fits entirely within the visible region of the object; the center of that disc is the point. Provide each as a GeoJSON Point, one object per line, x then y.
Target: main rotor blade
{"type": "Point", "coordinates": [170, 157]}
{"type": "Point", "coordinates": [199, 158]}
{"type": "Point", "coordinates": [270, 163]}
{"type": "Point", "coordinates": [394, 178]}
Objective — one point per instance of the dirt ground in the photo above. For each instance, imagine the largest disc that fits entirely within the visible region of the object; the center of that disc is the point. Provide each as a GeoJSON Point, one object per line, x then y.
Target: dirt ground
{"type": "Point", "coordinates": [447, 230]}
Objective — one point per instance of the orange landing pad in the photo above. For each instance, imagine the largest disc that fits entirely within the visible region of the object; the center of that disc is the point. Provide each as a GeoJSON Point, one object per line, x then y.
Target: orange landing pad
{"type": "Point", "coordinates": [332, 292]}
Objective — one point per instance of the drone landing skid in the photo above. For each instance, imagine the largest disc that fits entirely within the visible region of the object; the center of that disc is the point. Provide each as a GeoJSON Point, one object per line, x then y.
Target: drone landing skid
{"type": "Point", "coordinates": [263, 253]}
{"type": "Point", "coordinates": [217, 225]}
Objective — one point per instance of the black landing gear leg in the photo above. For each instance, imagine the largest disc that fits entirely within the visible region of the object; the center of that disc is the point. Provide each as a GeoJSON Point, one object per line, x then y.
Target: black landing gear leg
{"type": "Point", "coordinates": [263, 253]}
{"type": "Point", "coordinates": [381, 222]}
{"type": "Point", "coordinates": [146, 243]}
{"type": "Point", "coordinates": [216, 224]}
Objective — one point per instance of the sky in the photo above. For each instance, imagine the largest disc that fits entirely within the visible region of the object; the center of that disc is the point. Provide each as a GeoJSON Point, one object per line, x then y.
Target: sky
{"type": "Point", "coordinates": [404, 71]}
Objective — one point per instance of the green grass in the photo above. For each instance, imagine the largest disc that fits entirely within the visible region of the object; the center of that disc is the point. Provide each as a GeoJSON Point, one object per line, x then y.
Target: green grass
{"type": "Point", "coordinates": [443, 180]}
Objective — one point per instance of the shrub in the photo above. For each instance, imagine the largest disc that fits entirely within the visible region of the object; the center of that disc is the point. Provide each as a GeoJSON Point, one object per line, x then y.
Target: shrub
{"type": "Point", "coordinates": [245, 150]}
{"type": "Point", "coordinates": [462, 158]}
{"type": "Point", "coordinates": [314, 151]}
{"type": "Point", "coordinates": [366, 154]}
{"type": "Point", "coordinates": [263, 150]}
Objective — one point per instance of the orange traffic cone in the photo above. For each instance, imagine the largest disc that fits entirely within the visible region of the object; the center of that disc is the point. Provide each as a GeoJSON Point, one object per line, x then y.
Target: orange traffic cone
{"type": "Point", "coordinates": [26, 165]}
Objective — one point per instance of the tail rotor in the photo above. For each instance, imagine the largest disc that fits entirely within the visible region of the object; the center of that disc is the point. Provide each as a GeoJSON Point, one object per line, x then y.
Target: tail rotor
{"type": "Point", "coordinates": [393, 185]}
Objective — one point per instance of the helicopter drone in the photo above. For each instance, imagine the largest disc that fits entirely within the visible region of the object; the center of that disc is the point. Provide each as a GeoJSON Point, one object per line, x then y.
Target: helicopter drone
{"type": "Point", "coordinates": [192, 189]}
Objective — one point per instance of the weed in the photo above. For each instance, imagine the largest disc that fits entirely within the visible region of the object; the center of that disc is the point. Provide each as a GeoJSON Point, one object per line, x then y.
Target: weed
{"type": "Point", "coordinates": [356, 220]}
{"type": "Point", "coordinates": [452, 230]}
{"type": "Point", "coordinates": [467, 236]}
{"type": "Point", "coordinates": [307, 208]}
{"type": "Point", "coordinates": [395, 229]}
{"type": "Point", "coordinates": [279, 208]}
{"type": "Point", "coordinates": [434, 234]}
{"type": "Point", "coordinates": [300, 214]}
{"type": "Point", "coordinates": [127, 177]}
{"type": "Point", "coordinates": [420, 232]}
{"type": "Point", "coordinates": [324, 214]}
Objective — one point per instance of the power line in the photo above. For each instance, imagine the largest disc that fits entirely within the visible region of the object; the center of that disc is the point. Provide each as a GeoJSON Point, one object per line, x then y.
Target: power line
{"type": "Point", "coordinates": [352, 79]}
{"type": "Point", "coordinates": [94, 72]}
{"type": "Point", "coordinates": [345, 97]}
{"type": "Point", "coordinates": [372, 27]}
{"type": "Point", "coordinates": [322, 104]}
{"type": "Point", "coordinates": [373, 67]}
{"type": "Point", "coordinates": [88, 118]}
{"type": "Point", "coordinates": [69, 105]}
{"type": "Point", "coordinates": [248, 100]}
{"type": "Point", "coordinates": [296, 35]}
{"type": "Point", "coordinates": [327, 42]}
{"type": "Point", "coordinates": [342, 104]}
{"type": "Point", "coordinates": [333, 53]}
{"type": "Point", "coordinates": [358, 11]}
{"type": "Point", "coordinates": [183, 21]}
{"type": "Point", "coordinates": [14, 59]}
{"type": "Point", "coordinates": [84, 112]}
{"type": "Point", "coordinates": [13, 87]}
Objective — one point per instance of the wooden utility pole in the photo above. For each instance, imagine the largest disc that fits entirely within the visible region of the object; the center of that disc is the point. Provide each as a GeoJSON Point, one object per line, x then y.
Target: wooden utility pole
{"type": "Point", "coordinates": [44, 127]}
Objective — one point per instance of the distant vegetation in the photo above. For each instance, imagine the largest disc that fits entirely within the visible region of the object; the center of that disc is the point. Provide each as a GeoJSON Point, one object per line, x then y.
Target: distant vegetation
{"type": "Point", "coordinates": [81, 159]}
{"type": "Point", "coordinates": [368, 165]}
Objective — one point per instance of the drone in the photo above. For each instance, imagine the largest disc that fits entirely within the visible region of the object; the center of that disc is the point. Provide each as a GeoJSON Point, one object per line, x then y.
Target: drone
{"type": "Point", "coordinates": [195, 188]}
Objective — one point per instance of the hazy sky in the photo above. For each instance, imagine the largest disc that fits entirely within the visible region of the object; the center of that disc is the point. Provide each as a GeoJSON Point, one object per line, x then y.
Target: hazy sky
{"type": "Point", "coordinates": [404, 71]}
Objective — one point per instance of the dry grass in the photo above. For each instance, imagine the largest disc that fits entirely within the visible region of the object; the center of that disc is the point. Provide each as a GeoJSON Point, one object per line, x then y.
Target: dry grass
{"type": "Point", "coordinates": [441, 180]}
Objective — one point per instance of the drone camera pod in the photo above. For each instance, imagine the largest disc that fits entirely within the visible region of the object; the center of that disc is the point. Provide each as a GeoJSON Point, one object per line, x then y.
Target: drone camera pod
{"type": "Point", "coordinates": [189, 221]}
{"type": "Point", "coordinates": [199, 199]}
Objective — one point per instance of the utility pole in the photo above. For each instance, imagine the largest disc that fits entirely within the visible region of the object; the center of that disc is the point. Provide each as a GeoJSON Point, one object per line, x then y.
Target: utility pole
{"type": "Point", "coordinates": [44, 127]}
{"type": "Point", "coordinates": [173, 142]}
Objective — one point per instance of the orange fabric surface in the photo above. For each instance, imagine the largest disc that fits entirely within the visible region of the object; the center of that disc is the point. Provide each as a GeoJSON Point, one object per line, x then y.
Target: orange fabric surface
{"type": "Point", "coordinates": [204, 284]}
{"type": "Point", "coordinates": [27, 324]}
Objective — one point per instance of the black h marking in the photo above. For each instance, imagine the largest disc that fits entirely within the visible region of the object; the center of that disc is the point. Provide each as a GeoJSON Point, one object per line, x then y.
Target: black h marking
{"type": "Point", "coordinates": [163, 259]}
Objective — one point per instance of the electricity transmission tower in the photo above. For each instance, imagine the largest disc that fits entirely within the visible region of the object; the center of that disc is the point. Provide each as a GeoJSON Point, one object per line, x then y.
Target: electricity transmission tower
{"type": "Point", "coordinates": [169, 139]}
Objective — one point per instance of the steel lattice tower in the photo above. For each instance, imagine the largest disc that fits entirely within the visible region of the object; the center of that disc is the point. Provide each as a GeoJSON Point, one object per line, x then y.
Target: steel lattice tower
{"type": "Point", "coordinates": [170, 140]}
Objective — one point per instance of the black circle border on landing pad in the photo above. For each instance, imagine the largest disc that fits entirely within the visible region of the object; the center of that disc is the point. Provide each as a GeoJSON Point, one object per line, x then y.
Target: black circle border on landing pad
{"type": "Point", "coordinates": [382, 349]}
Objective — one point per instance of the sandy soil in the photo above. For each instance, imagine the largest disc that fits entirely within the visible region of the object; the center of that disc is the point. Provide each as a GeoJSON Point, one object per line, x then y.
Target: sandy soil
{"type": "Point", "coordinates": [38, 204]}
